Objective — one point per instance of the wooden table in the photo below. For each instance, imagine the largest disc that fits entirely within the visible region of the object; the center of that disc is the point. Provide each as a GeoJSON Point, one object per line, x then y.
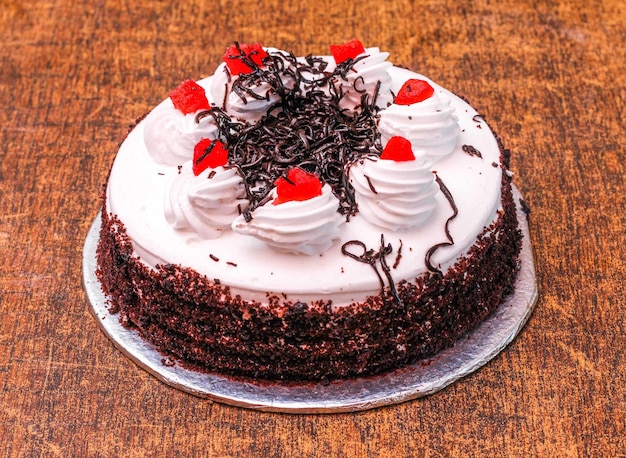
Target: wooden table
{"type": "Point", "coordinates": [551, 78]}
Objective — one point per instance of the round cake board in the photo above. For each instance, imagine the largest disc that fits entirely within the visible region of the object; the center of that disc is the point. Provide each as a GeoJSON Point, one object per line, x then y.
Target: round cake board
{"type": "Point", "coordinates": [420, 379]}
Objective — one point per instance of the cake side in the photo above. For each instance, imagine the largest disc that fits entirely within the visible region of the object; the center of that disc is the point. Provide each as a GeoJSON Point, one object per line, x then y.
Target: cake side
{"type": "Point", "coordinates": [204, 327]}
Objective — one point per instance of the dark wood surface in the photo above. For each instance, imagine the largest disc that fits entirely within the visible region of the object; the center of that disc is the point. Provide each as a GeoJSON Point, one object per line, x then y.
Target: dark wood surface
{"type": "Point", "coordinates": [551, 79]}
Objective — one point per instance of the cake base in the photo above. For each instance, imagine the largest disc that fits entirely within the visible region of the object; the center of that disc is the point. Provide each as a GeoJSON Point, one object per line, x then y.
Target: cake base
{"type": "Point", "coordinates": [420, 379]}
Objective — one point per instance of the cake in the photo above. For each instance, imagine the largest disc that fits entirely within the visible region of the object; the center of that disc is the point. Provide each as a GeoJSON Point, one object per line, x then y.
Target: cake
{"type": "Point", "coordinates": [307, 219]}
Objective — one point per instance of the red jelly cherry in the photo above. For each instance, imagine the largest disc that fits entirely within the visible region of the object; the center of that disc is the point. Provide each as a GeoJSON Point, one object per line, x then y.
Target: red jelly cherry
{"type": "Point", "coordinates": [208, 153]}
{"type": "Point", "coordinates": [346, 51]}
{"type": "Point", "coordinates": [189, 97]}
{"type": "Point", "coordinates": [243, 58]}
{"type": "Point", "coordinates": [413, 91]}
{"type": "Point", "coordinates": [299, 185]}
{"type": "Point", "coordinates": [398, 149]}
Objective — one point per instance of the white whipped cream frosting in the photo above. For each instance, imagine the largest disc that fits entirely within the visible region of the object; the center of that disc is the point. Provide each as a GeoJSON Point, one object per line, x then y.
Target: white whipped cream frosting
{"type": "Point", "coordinates": [205, 204]}
{"type": "Point", "coordinates": [170, 135]}
{"type": "Point", "coordinates": [394, 195]}
{"type": "Point", "coordinates": [253, 269]}
{"type": "Point", "coordinates": [364, 77]}
{"type": "Point", "coordinates": [303, 227]}
{"type": "Point", "coordinates": [431, 125]}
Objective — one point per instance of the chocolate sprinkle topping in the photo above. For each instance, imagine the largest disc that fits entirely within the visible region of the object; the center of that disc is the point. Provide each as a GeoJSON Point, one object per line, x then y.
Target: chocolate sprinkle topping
{"type": "Point", "coordinates": [305, 128]}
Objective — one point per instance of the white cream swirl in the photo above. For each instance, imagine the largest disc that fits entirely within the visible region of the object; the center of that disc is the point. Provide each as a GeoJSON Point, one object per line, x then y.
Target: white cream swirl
{"type": "Point", "coordinates": [394, 195]}
{"type": "Point", "coordinates": [364, 77]}
{"type": "Point", "coordinates": [260, 94]}
{"type": "Point", "coordinates": [205, 204]}
{"type": "Point", "coordinates": [170, 135]}
{"type": "Point", "coordinates": [307, 227]}
{"type": "Point", "coordinates": [430, 125]}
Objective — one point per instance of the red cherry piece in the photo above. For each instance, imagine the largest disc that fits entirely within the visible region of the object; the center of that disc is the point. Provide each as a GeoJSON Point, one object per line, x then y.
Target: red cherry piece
{"type": "Point", "coordinates": [189, 97]}
{"type": "Point", "coordinates": [413, 91]}
{"type": "Point", "coordinates": [243, 58]}
{"type": "Point", "coordinates": [299, 185]}
{"type": "Point", "coordinates": [398, 149]}
{"type": "Point", "coordinates": [346, 51]}
{"type": "Point", "coordinates": [208, 153]}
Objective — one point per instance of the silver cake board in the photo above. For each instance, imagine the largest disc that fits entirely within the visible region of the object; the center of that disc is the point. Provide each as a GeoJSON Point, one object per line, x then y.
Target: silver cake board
{"type": "Point", "coordinates": [420, 379]}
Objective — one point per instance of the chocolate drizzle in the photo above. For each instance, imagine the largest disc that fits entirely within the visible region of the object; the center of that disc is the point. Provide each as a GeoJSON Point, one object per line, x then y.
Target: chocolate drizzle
{"type": "Point", "coordinates": [455, 212]}
{"type": "Point", "coordinates": [306, 127]}
{"type": "Point", "coordinates": [372, 257]}
{"type": "Point", "coordinates": [478, 117]}
{"type": "Point", "coordinates": [398, 256]}
{"type": "Point", "coordinates": [472, 151]}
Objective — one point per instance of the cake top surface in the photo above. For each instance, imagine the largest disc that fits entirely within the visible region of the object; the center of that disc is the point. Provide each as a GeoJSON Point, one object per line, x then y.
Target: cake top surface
{"type": "Point", "coordinates": [290, 175]}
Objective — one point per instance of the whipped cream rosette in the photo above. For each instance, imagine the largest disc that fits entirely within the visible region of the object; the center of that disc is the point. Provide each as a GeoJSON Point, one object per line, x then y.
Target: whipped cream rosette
{"type": "Point", "coordinates": [236, 87]}
{"type": "Point", "coordinates": [173, 128]}
{"type": "Point", "coordinates": [425, 117]}
{"type": "Point", "coordinates": [368, 75]}
{"type": "Point", "coordinates": [395, 191]}
{"type": "Point", "coordinates": [204, 197]}
{"type": "Point", "coordinates": [301, 218]}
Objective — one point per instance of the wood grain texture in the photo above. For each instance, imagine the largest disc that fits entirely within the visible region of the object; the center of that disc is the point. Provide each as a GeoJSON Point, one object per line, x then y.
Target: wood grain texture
{"type": "Point", "coordinates": [551, 78]}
